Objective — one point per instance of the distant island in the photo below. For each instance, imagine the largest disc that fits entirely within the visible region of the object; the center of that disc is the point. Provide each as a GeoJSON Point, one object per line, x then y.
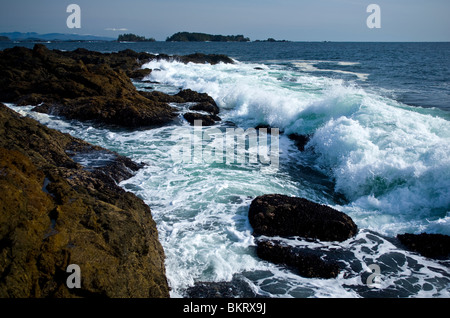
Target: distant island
{"type": "Point", "coordinates": [130, 37]}
{"type": "Point", "coordinates": [272, 40]}
{"type": "Point", "coordinates": [31, 37]}
{"type": "Point", "coordinates": [51, 37]}
{"type": "Point", "coordinates": [203, 37]}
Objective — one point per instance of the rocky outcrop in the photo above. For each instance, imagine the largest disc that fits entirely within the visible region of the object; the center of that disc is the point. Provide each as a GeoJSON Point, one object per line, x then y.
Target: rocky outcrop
{"type": "Point", "coordinates": [276, 215]}
{"type": "Point", "coordinates": [204, 103]}
{"type": "Point", "coordinates": [280, 215]}
{"type": "Point", "coordinates": [428, 245]}
{"type": "Point", "coordinates": [55, 212]}
{"type": "Point", "coordinates": [205, 108]}
{"type": "Point", "coordinates": [81, 85]}
{"type": "Point", "coordinates": [206, 120]}
{"type": "Point", "coordinates": [92, 86]}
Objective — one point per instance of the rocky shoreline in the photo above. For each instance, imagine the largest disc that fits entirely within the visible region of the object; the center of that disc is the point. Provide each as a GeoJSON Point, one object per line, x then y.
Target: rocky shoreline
{"type": "Point", "coordinates": [55, 211]}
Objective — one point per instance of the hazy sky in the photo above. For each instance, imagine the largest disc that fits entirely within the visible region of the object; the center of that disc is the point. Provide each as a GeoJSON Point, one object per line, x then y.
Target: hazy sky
{"type": "Point", "coordinates": [296, 20]}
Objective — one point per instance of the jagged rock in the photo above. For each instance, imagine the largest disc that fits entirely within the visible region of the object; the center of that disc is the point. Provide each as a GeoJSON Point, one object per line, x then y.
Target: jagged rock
{"type": "Point", "coordinates": [198, 58]}
{"type": "Point", "coordinates": [203, 101]}
{"type": "Point", "coordinates": [55, 212]}
{"type": "Point", "coordinates": [161, 97]}
{"type": "Point", "coordinates": [280, 215]}
{"type": "Point", "coordinates": [429, 245]}
{"type": "Point", "coordinates": [189, 95]}
{"type": "Point", "coordinates": [306, 262]}
{"type": "Point", "coordinates": [140, 73]}
{"type": "Point", "coordinates": [207, 120]}
{"type": "Point", "coordinates": [81, 85]}
{"type": "Point", "coordinates": [125, 112]}
{"type": "Point", "coordinates": [208, 107]}
{"type": "Point", "coordinates": [88, 85]}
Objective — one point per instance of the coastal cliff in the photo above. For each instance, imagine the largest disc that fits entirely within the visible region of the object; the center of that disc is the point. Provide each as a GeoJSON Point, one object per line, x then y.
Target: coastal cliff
{"type": "Point", "coordinates": [56, 212]}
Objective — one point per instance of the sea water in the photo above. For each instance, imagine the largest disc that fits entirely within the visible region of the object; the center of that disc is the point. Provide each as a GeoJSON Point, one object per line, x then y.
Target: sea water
{"type": "Point", "coordinates": [379, 151]}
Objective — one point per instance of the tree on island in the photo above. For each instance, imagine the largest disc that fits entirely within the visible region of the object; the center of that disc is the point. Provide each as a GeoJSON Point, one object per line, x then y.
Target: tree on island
{"type": "Point", "coordinates": [130, 37]}
{"type": "Point", "coordinates": [4, 38]}
{"type": "Point", "coordinates": [203, 37]}
{"type": "Point", "coordinates": [271, 40]}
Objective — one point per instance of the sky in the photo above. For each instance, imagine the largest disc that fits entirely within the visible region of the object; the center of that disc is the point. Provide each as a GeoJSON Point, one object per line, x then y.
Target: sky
{"type": "Point", "coordinates": [294, 20]}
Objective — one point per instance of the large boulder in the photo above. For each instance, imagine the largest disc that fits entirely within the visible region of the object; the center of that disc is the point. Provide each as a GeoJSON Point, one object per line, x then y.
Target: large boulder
{"type": "Point", "coordinates": [429, 245]}
{"type": "Point", "coordinates": [55, 212]}
{"type": "Point", "coordinates": [281, 215]}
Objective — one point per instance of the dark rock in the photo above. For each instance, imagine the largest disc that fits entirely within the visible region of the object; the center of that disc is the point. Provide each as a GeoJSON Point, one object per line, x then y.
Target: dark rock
{"type": "Point", "coordinates": [300, 140]}
{"type": "Point", "coordinates": [280, 215]}
{"type": "Point", "coordinates": [55, 212]}
{"type": "Point", "coordinates": [140, 73]}
{"type": "Point", "coordinates": [236, 288]}
{"type": "Point", "coordinates": [206, 107]}
{"type": "Point", "coordinates": [268, 128]}
{"type": "Point", "coordinates": [428, 245]}
{"type": "Point", "coordinates": [161, 97]}
{"type": "Point", "coordinates": [306, 262]}
{"type": "Point", "coordinates": [201, 58]}
{"type": "Point", "coordinates": [82, 85]}
{"type": "Point", "coordinates": [189, 95]}
{"type": "Point", "coordinates": [198, 58]}
{"type": "Point", "coordinates": [207, 120]}
{"type": "Point", "coordinates": [133, 113]}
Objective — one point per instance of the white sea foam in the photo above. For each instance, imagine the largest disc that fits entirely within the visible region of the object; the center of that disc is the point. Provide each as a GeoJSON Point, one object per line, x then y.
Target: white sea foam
{"type": "Point", "coordinates": [310, 66]}
{"type": "Point", "coordinates": [388, 159]}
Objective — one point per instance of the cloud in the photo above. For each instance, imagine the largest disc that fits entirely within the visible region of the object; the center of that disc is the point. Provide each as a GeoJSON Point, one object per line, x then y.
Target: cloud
{"type": "Point", "coordinates": [116, 29]}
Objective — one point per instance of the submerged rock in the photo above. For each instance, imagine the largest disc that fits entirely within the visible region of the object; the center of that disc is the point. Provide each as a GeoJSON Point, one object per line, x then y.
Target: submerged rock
{"type": "Point", "coordinates": [55, 212]}
{"type": "Point", "coordinates": [207, 120]}
{"type": "Point", "coordinates": [300, 140]}
{"type": "Point", "coordinates": [281, 215]}
{"type": "Point", "coordinates": [306, 262]}
{"type": "Point", "coordinates": [236, 288]}
{"type": "Point", "coordinates": [428, 245]}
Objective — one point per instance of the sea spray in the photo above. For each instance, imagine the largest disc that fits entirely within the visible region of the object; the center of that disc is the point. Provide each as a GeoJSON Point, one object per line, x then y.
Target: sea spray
{"type": "Point", "coordinates": [386, 158]}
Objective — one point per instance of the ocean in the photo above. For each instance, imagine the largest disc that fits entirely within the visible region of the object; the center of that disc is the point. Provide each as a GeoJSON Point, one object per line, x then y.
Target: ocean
{"type": "Point", "coordinates": [378, 117]}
